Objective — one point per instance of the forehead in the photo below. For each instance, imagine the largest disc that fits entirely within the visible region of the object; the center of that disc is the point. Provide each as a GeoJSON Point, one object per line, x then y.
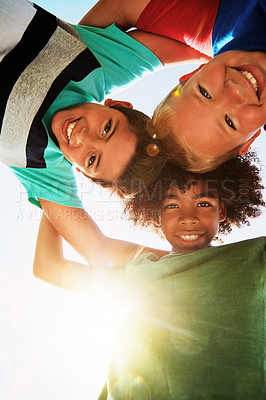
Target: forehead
{"type": "Point", "coordinates": [193, 189]}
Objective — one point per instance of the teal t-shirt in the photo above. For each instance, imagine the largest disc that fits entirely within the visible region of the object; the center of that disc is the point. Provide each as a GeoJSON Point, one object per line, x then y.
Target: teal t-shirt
{"type": "Point", "coordinates": [120, 60]}
{"type": "Point", "coordinates": [195, 326]}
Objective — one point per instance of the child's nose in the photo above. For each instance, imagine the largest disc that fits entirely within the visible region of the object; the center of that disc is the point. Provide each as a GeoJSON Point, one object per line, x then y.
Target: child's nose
{"type": "Point", "coordinates": [188, 219]}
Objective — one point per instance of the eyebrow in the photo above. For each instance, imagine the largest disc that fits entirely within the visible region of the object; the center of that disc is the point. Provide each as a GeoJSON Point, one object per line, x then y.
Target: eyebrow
{"type": "Point", "coordinates": [205, 194]}
{"type": "Point", "coordinates": [198, 196]}
{"type": "Point", "coordinates": [107, 140]}
{"type": "Point", "coordinates": [171, 197]}
{"type": "Point", "coordinates": [115, 128]}
{"type": "Point", "coordinates": [197, 96]}
{"type": "Point", "coordinates": [222, 126]}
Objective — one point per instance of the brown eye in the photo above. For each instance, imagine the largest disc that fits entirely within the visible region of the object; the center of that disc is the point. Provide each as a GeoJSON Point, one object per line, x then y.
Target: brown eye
{"type": "Point", "coordinates": [230, 123]}
{"type": "Point", "coordinates": [204, 204]}
{"type": "Point", "coordinates": [91, 161]}
{"type": "Point", "coordinates": [107, 128]}
{"type": "Point", "coordinates": [204, 92]}
{"type": "Point", "coordinates": [171, 206]}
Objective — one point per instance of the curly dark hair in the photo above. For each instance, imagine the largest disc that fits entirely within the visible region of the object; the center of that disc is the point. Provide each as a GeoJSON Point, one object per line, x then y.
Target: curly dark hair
{"type": "Point", "coordinates": [237, 182]}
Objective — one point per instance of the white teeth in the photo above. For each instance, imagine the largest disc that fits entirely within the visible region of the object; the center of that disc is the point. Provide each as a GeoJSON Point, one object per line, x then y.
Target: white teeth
{"type": "Point", "coordinates": [251, 79]}
{"type": "Point", "coordinates": [70, 128]}
{"type": "Point", "coordinates": [189, 237]}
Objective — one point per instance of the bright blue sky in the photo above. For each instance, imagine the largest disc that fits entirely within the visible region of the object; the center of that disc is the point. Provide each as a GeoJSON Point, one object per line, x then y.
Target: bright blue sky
{"type": "Point", "coordinates": [51, 344]}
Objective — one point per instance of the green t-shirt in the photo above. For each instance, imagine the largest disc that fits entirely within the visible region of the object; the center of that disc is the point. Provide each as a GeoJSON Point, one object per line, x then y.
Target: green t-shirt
{"type": "Point", "coordinates": [195, 326]}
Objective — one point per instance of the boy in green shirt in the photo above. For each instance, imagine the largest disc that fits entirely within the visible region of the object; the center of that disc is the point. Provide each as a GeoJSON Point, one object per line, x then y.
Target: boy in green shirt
{"type": "Point", "coordinates": [195, 317]}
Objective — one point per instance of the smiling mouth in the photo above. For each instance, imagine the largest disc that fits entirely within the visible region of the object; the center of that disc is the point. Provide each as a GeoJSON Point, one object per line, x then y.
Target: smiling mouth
{"type": "Point", "coordinates": [252, 80]}
{"type": "Point", "coordinates": [190, 238]}
{"type": "Point", "coordinates": [70, 128]}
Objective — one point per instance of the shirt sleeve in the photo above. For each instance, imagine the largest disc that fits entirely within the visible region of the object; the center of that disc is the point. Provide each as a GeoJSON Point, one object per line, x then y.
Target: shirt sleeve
{"type": "Point", "coordinates": [53, 184]}
{"type": "Point", "coordinates": [122, 58]}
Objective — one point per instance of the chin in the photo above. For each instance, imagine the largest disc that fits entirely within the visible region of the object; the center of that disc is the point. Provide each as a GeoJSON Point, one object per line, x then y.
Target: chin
{"type": "Point", "coordinates": [191, 249]}
{"type": "Point", "coordinates": [186, 250]}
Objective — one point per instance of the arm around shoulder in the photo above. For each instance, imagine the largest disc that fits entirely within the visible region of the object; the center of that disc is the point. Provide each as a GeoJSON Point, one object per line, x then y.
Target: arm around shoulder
{"type": "Point", "coordinates": [169, 51]}
{"type": "Point", "coordinates": [51, 266]}
{"type": "Point", "coordinates": [83, 234]}
{"type": "Point", "coordinates": [124, 13]}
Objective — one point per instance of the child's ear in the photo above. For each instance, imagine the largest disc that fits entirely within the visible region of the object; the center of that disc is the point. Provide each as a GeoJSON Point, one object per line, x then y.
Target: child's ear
{"type": "Point", "coordinates": [120, 103]}
{"type": "Point", "coordinates": [190, 74]}
{"type": "Point", "coordinates": [223, 210]}
{"type": "Point", "coordinates": [248, 143]}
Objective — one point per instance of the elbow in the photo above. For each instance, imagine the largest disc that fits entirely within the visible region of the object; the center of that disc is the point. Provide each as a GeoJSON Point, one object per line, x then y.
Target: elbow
{"type": "Point", "coordinates": [39, 270]}
{"type": "Point", "coordinates": [36, 270]}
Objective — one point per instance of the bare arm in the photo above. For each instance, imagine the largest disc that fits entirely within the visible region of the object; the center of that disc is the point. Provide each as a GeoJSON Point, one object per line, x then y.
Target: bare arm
{"type": "Point", "coordinates": [51, 266]}
{"type": "Point", "coordinates": [124, 13]}
{"type": "Point", "coordinates": [168, 50]}
{"type": "Point", "coordinates": [81, 232]}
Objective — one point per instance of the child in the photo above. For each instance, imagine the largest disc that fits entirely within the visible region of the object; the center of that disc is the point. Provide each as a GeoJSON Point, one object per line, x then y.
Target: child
{"type": "Point", "coordinates": [193, 316]}
{"type": "Point", "coordinates": [234, 187]}
{"type": "Point", "coordinates": [45, 78]}
{"type": "Point", "coordinates": [224, 88]}
{"type": "Point", "coordinates": [225, 97]}
{"type": "Point", "coordinates": [229, 195]}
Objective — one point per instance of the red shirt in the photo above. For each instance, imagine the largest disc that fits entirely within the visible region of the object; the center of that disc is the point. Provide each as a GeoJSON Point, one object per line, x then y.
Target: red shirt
{"type": "Point", "coordinates": [188, 21]}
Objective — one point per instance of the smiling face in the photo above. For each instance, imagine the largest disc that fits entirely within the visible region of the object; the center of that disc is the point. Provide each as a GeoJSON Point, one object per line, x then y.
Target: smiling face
{"type": "Point", "coordinates": [223, 105]}
{"type": "Point", "coordinates": [190, 220]}
{"type": "Point", "coordinates": [95, 138]}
